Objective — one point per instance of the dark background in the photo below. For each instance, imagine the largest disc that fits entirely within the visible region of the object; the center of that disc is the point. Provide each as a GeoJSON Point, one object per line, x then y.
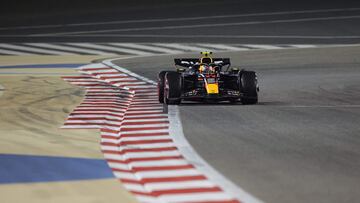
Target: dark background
{"type": "Point", "coordinates": [26, 12]}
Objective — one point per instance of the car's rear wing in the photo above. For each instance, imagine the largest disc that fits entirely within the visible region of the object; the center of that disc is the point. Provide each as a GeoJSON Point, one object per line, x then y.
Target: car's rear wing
{"type": "Point", "coordinates": [188, 62]}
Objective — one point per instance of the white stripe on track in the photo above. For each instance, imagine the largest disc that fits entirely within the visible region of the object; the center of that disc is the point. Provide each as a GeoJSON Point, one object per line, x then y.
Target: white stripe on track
{"type": "Point", "coordinates": [12, 52]}
{"type": "Point", "coordinates": [225, 47]}
{"type": "Point", "coordinates": [256, 46]}
{"type": "Point", "coordinates": [67, 50]}
{"type": "Point", "coordinates": [32, 49]}
{"type": "Point", "coordinates": [180, 46]}
{"type": "Point", "coordinates": [151, 48]}
{"type": "Point", "coordinates": [89, 45]}
{"type": "Point", "coordinates": [124, 50]}
{"type": "Point", "coordinates": [303, 46]}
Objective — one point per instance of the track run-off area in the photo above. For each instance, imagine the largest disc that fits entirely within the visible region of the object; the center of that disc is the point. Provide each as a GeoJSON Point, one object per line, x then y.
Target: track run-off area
{"type": "Point", "coordinates": [39, 161]}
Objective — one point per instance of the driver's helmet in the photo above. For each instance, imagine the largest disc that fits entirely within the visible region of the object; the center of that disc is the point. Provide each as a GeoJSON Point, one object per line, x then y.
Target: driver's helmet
{"type": "Point", "coordinates": [204, 68]}
{"type": "Point", "coordinates": [207, 69]}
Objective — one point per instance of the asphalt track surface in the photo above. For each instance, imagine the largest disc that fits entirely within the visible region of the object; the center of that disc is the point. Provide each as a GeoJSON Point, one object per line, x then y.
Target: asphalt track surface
{"type": "Point", "coordinates": [228, 21]}
{"type": "Point", "coordinates": [300, 143]}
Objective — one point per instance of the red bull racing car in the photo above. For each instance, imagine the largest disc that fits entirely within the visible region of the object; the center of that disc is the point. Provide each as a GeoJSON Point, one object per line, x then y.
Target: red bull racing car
{"type": "Point", "coordinates": [207, 79]}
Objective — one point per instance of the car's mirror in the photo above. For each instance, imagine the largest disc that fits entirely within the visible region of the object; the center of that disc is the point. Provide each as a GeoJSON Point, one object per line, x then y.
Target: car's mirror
{"type": "Point", "coordinates": [180, 70]}
{"type": "Point", "coordinates": [234, 70]}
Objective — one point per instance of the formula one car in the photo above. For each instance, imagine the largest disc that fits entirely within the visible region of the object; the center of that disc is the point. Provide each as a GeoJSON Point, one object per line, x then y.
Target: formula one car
{"type": "Point", "coordinates": [207, 79]}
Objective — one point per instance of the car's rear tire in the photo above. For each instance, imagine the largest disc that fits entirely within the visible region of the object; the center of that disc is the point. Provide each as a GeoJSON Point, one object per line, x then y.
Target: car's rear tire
{"type": "Point", "coordinates": [172, 88]}
{"type": "Point", "coordinates": [248, 87]}
{"type": "Point", "coordinates": [161, 83]}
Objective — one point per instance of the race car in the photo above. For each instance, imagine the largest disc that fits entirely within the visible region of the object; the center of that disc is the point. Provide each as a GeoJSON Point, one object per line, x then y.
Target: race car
{"type": "Point", "coordinates": [207, 79]}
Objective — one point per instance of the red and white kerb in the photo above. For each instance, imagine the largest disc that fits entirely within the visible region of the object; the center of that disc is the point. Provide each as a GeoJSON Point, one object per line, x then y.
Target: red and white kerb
{"type": "Point", "coordinates": [135, 138]}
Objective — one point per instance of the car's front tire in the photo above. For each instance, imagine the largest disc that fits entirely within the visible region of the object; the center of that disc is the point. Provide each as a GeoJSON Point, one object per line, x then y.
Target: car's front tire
{"type": "Point", "coordinates": [248, 87]}
{"type": "Point", "coordinates": [161, 84]}
{"type": "Point", "coordinates": [172, 88]}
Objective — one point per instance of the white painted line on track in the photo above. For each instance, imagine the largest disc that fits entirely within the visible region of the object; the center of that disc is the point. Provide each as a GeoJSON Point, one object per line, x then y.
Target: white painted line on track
{"type": "Point", "coordinates": [151, 48]}
{"type": "Point", "coordinates": [261, 46]}
{"type": "Point", "coordinates": [70, 49]}
{"type": "Point", "coordinates": [225, 47]}
{"type": "Point", "coordinates": [303, 46]}
{"type": "Point", "coordinates": [32, 49]}
{"type": "Point", "coordinates": [111, 48]}
{"type": "Point", "coordinates": [12, 52]}
{"type": "Point", "coordinates": [181, 46]}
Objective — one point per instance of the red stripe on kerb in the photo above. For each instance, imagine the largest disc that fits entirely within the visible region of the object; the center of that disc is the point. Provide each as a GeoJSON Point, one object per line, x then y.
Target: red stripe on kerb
{"type": "Point", "coordinates": [158, 168]}
{"type": "Point", "coordinates": [124, 151]}
{"type": "Point", "coordinates": [104, 106]}
{"type": "Point", "coordinates": [178, 191]}
{"type": "Point", "coordinates": [108, 114]}
{"type": "Point", "coordinates": [105, 73]}
{"type": "Point", "coordinates": [94, 118]}
{"type": "Point", "coordinates": [89, 123]}
{"type": "Point", "coordinates": [108, 101]}
{"type": "Point", "coordinates": [135, 135]}
{"type": "Point", "coordinates": [161, 180]}
{"type": "Point", "coordinates": [115, 77]}
{"type": "Point", "coordinates": [109, 130]}
{"type": "Point", "coordinates": [136, 142]}
{"type": "Point", "coordinates": [120, 81]}
{"type": "Point", "coordinates": [126, 161]}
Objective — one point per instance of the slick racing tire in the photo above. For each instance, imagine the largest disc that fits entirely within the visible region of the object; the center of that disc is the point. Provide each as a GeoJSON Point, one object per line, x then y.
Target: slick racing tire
{"type": "Point", "coordinates": [249, 87]}
{"type": "Point", "coordinates": [161, 84]}
{"type": "Point", "coordinates": [172, 88]}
